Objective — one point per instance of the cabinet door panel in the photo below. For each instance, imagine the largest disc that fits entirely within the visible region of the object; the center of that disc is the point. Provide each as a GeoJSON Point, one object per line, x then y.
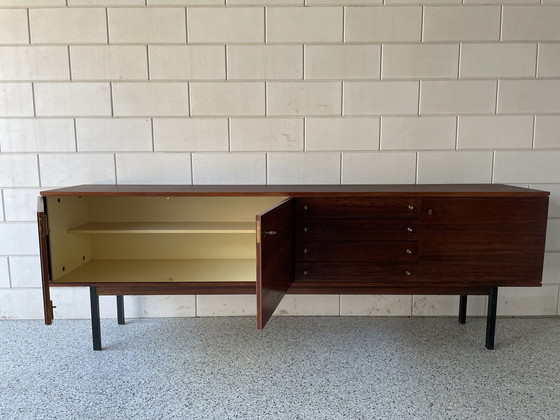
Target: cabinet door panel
{"type": "Point", "coordinates": [357, 251]}
{"type": "Point", "coordinates": [357, 207]}
{"type": "Point", "coordinates": [44, 254]}
{"type": "Point", "coordinates": [348, 229]}
{"type": "Point", "coordinates": [275, 258]}
{"type": "Point", "coordinates": [483, 240]}
{"type": "Point", "coordinates": [356, 272]}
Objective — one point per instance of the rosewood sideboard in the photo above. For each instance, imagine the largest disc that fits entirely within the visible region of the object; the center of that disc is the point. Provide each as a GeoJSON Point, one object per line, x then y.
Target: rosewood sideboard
{"type": "Point", "coordinates": [277, 239]}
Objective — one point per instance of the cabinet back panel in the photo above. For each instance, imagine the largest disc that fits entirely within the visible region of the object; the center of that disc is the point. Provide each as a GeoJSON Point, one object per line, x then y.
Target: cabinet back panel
{"type": "Point", "coordinates": [172, 246]}
{"type": "Point", "coordinates": [178, 209]}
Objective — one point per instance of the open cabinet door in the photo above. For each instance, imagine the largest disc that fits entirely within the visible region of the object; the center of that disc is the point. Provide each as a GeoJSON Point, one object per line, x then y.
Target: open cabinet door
{"type": "Point", "coordinates": [275, 258]}
{"type": "Point", "coordinates": [44, 252]}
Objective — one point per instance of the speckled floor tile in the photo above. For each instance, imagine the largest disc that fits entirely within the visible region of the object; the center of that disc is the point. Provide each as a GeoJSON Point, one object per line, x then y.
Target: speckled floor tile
{"type": "Point", "coordinates": [297, 368]}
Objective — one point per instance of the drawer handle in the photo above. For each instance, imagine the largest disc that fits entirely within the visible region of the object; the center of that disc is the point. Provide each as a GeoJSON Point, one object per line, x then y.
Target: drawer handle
{"type": "Point", "coordinates": [408, 251]}
{"type": "Point", "coordinates": [407, 273]}
{"type": "Point", "coordinates": [270, 232]}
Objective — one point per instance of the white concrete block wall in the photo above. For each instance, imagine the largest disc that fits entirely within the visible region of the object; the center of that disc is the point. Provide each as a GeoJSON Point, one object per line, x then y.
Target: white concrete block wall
{"type": "Point", "coordinates": [274, 91]}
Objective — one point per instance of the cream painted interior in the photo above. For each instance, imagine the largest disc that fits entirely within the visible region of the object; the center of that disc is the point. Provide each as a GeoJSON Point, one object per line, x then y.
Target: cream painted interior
{"type": "Point", "coordinates": [156, 239]}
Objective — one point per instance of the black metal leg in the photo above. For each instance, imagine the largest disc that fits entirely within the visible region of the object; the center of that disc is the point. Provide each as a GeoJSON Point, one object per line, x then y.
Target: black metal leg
{"type": "Point", "coordinates": [95, 319]}
{"type": "Point", "coordinates": [120, 309]}
{"type": "Point", "coordinates": [491, 318]}
{"type": "Point", "coordinates": [462, 309]}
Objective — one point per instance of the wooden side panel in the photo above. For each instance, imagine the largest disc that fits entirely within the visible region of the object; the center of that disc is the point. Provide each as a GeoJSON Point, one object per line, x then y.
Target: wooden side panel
{"type": "Point", "coordinates": [44, 255]}
{"type": "Point", "coordinates": [357, 207]}
{"type": "Point", "coordinates": [275, 258]}
{"type": "Point", "coordinates": [495, 241]}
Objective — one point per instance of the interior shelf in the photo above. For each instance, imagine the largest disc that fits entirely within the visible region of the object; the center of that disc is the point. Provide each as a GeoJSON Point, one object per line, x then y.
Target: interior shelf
{"type": "Point", "coordinates": [162, 271]}
{"type": "Point", "coordinates": [165, 227]}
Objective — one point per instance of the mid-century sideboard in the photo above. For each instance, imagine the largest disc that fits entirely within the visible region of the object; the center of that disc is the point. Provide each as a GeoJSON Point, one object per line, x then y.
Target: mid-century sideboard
{"type": "Point", "coordinates": [276, 239]}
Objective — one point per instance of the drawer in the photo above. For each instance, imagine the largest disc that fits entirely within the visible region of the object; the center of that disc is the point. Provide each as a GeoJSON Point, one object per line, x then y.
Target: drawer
{"type": "Point", "coordinates": [358, 207]}
{"type": "Point", "coordinates": [356, 272]}
{"type": "Point", "coordinates": [357, 251]}
{"type": "Point", "coordinates": [355, 229]}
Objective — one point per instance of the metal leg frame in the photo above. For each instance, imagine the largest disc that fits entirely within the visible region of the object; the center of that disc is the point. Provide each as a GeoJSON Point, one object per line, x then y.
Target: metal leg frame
{"type": "Point", "coordinates": [95, 319]}
{"type": "Point", "coordinates": [120, 310]}
{"type": "Point", "coordinates": [463, 309]}
{"type": "Point", "coordinates": [491, 318]}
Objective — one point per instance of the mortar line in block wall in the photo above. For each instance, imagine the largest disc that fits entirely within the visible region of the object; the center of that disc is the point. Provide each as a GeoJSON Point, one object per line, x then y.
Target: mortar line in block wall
{"type": "Point", "coordinates": [493, 166]}
{"type": "Point", "coordinates": [265, 26]}
{"type": "Point", "coordinates": [186, 24]}
{"type": "Point", "coordinates": [29, 27]}
{"type": "Point", "coordinates": [497, 97]}
{"type": "Point", "coordinates": [459, 61]}
{"type": "Point", "coordinates": [148, 62]}
{"type": "Point", "coordinates": [422, 24]}
{"type": "Point", "coordinates": [534, 132]}
{"type": "Point", "coordinates": [69, 64]}
{"type": "Point", "coordinates": [153, 136]}
{"type": "Point", "coordinates": [538, 52]}
{"type": "Point", "coordinates": [112, 100]}
{"type": "Point", "coordinates": [75, 135]}
{"type": "Point", "coordinates": [380, 133]}
{"type": "Point", "coordinates": [416, 176]}
{"type": "Point", "coordinates": [457, 132]}
{"type": "Point", "coordinates": [192, 168]}
{"type": "Point", "coordinates": [501, 23]}
{"type": "Point", "coordinates": [115, 167]}
{"type": "Point", "coordinates": [38, 172]}
{"type": "Point", "coordinates": [33, 99]}
{"type": "Point", "coordinates": [344, 26]}
{"type": "Point", "coordinates": [107, 23]}
{"type": "Point", "coordinates": [3, 205]}
{"type": "Point", "coordinates": [304, 134]}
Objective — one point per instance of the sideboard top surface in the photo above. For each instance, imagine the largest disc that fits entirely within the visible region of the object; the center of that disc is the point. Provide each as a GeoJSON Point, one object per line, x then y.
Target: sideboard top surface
{"type": "Point", "coordinates": [426, 190]}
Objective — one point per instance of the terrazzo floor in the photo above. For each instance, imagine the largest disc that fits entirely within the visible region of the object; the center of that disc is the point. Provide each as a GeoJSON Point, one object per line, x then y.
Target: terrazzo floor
{"type": "Point", "coordinates": [297, 368]}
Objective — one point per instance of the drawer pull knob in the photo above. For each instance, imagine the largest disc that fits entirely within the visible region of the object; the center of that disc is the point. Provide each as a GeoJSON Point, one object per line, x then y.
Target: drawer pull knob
{"type": "Point", "coordinates": [305, 229]}
{"type": "Point", "coordinates": [408, 251]}
{"type": "Point", "coordinates": [305, 207]}
{"type": "Point", "coordinates": [305, 272]}
{"type": "Point", "coordinates": [410, 207]}
{"type": "Point", "coordinates": [305, 251]}
{"type": "Point", "coordinates": [409, 229]}
{"type": "Point", "coordinates": [430, 212]}
{"type": "Point", "coordinates": [407, 273]}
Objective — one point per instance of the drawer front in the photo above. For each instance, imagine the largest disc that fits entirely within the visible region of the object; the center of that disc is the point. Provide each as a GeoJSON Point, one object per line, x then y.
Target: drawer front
{"type": "Point", "coordinates": [357, 251]}
{"type": "Point", "coordinates": [355, 272]}
{"type": "Point", "coordinates": [357, 207]}
{"type": "Point", "coordinates": [355, 229]}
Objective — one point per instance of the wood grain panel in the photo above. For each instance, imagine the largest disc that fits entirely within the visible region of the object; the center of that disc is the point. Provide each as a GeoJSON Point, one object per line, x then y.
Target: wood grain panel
{"type": "Point", "coordinates": [365, 229]}
{"type": "Point", "coordinates": [356, 272]}
{"type": "Point", "coordinates": [275, 258]}
{"type": "Point", "coordinates": [357, 207]}
{"type": "Point", "coordinates": [357, 251]}
{"type": "Point", "coordinates": [496, 241]}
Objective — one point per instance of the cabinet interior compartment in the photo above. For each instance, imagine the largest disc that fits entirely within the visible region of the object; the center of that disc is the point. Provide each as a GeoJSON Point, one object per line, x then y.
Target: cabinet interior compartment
{"type": "Point", "coordinates": [98, 239]}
